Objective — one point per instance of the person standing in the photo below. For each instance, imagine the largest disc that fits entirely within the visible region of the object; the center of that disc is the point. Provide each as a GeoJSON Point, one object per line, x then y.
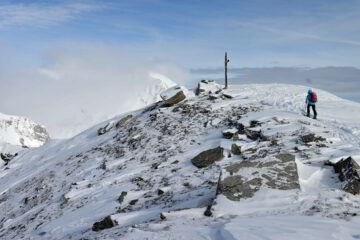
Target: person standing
{"type": "Point", "coordinates": [311, 100]}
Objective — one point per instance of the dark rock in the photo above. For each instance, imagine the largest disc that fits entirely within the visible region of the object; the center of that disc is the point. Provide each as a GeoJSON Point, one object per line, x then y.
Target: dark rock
{"type": "Point", "coordinates": [228, 96]}
{"type": "Point", "coordinates": [208, 157]}
{"type": "Point", "coordinates": [254, 123]}
{"type": "Point", "coordinates": [241, 128]}
{"type": "Point", "coordinates": [106, 223]}
{"type": "Point", "coordinates": [311, 138]}
{"type": "Point", "coordinates": [162, 216]}
{"type": "Point", "coordinates": [349, 173]}
{"type": "Point", "coordinates": [229, 133]}
{"type": "Point", "coordinates": [235, 149]}
{"type": "Point", "coordinates": [212, 97]}
{"type": "Point", "coordinates": [208, 212]}
{"type": "Point", "coordinates": [122, 197]}
{"type": "Point", "coordinates": [160, 192]}
{"type": "Point", "coordinates": [255, 135]}
{"type": "Point", "coordinates": [7, 157]}
{"type": "Point", "coordinates": [133, 202]}
{"type": "Point", "coordinates": [103, 130]}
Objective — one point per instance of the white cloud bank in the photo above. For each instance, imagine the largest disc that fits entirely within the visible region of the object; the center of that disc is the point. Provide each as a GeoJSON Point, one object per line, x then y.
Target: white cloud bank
{"type": "Point", "coordinates": [78, 87]}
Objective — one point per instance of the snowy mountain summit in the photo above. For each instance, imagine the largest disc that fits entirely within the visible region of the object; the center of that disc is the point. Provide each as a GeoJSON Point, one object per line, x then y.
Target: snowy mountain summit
{"type": "Point", "coordinates": [17, 132]}
{"type": "Point", "coordinates": [240, 163]}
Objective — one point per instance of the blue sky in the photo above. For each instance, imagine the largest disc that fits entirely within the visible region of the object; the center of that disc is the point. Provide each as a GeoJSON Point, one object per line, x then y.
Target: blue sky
{"type": "Point", "coordinates": [256, 33]}
{"type": "Point", "coordinates": [85, 61]}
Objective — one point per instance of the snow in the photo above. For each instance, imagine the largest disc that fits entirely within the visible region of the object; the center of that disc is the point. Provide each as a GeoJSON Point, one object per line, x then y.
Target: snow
{"type": "Point", "coordinates": [18, 132]}
{"type": "Point", "coordinates": [59, 190]}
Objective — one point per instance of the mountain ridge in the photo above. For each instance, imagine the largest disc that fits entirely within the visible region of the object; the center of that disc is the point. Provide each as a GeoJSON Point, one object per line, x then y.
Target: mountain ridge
{"type": "Point", "coordinates": [139, 174]}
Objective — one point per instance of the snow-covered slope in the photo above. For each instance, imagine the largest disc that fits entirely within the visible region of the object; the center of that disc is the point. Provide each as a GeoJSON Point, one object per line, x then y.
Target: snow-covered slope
{"type": "Point", "coordinates": [139, 172]}
{"type": "Point", "coordinates": [17, 132]}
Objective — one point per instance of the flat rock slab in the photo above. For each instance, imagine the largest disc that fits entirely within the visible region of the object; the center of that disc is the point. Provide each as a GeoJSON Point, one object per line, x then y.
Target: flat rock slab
{"type": "Point", "coordinates": [248, 176]}
{"type": "Point", "coordinates": [208, 157]}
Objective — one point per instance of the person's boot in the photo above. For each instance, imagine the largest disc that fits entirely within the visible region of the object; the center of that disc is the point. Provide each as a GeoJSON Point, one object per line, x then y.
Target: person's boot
{"type": "Point", "coordinates": [314, 116]}
{"type": "Point", "coordinates": [308, 115]}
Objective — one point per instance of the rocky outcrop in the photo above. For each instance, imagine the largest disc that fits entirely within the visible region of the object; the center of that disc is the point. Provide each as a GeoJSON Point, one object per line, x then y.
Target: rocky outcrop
{"type": "Point", "coordinates": [110, 125]}
{"type": "Point", "coordinates": [208, 87]}
{"type": "Point", "coordinates": [208, 157]}
{"type": "Point", "coordinates": [106, 223]}
{"type": "Point", "coordinates": [173, 95]}
{"type": "Point", "coordinates": [311, 137]}
{"type": "Point", "coordinates": [248, 176]}
{"type": "Point", "coordinates": [349, 173]}
{"type": "Point", "coordinates": [123, 121]}
{"type": "Point", "coordinates": [7, 157]}
{"type": "Point", "coordinates": [236, 188]}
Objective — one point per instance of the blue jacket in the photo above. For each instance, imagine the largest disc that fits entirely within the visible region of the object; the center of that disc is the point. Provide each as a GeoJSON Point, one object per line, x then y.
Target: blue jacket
{"type": "Point", "coordinates": [309, 98]}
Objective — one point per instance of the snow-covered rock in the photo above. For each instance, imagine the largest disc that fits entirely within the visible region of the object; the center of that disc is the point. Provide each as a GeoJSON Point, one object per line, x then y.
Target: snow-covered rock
{"type": "Point", "coordinates": [138, 178]}
{"type": "Point", "coordinates": [17, 132]}
{"type": "Point", "coordinates": [174, 95]}
{"type": "Point", "coordinates": [208, 86]}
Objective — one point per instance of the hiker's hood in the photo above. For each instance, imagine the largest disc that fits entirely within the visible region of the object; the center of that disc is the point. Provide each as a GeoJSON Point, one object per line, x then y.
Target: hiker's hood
{"type": "Point", "coordinates": [310, 91]}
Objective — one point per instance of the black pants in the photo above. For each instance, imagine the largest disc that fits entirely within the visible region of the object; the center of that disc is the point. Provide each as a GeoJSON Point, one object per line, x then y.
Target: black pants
{"type": "Point", "coordinates": [313, 108]}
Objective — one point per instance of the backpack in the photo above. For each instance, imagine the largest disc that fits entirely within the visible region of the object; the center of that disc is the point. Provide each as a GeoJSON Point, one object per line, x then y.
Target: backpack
{"type": "Point", "coordinates": [314, 97]}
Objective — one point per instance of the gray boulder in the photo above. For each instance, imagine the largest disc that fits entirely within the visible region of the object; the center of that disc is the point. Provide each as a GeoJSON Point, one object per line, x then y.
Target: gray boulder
{"type": "Point", "coordinates": [208, 157]}
{"type": "Point", "coordinates": [235, 149]}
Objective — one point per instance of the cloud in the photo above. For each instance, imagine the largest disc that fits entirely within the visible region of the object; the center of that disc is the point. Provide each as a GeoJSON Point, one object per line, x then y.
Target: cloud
{"type": "Point", "coordinates": [80, 85]}
{"type": "Point", "coordinates": [298, 35]}
{"type": "Point", "coordinates": [341, 81]}
{"type": "Point", "coordinates": [41, 15]}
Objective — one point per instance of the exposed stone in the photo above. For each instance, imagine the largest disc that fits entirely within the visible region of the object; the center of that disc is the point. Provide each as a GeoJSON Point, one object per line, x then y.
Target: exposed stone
{"type": "Point", "coordinates": [208, 157]}
{"type": "Point", "coordinates": [162, 216]}
{"type": "Point", "coordinates": [235, 149]}
{"type": "Point", "coordinates": [106, 223]}
{"type": "Point", "coordinates": [229, 133]}
{"type": "Point", "coordinates": [234, 168]}
{"type": "Point", "coordinates": [7, 157]}
{"type": "Point", "coordinates": [122, 197]}
{"type": "Point", "coordinates": [276, 172]}
{"type": "Point", "coordinates": [173, 95]}
{"type": "Point", "coordinates": [133, 202]}
{"type": "Point", "coordinates": [207, 87]}
{"type": "Point", "coordinates": [208, 212]}
{"type": "Point", "coordinates": [103, 130]}
{"type": "Point", "coordinates": [123, 121]}
{"type": "Point", "coordinates": [311, 138]}
{"type": "Point", "coordinates": [285, 157]}
{"type": "Point", "coordinates": [234, 188]}
{"type": "Point", "coordinates": [228, 96]}
{"type": "Point", "coordinates": [349, 173]}
{"type": "Point", "coordinates": [254, 123]}
{"type": "Point", "coordinates": [255, 135]}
